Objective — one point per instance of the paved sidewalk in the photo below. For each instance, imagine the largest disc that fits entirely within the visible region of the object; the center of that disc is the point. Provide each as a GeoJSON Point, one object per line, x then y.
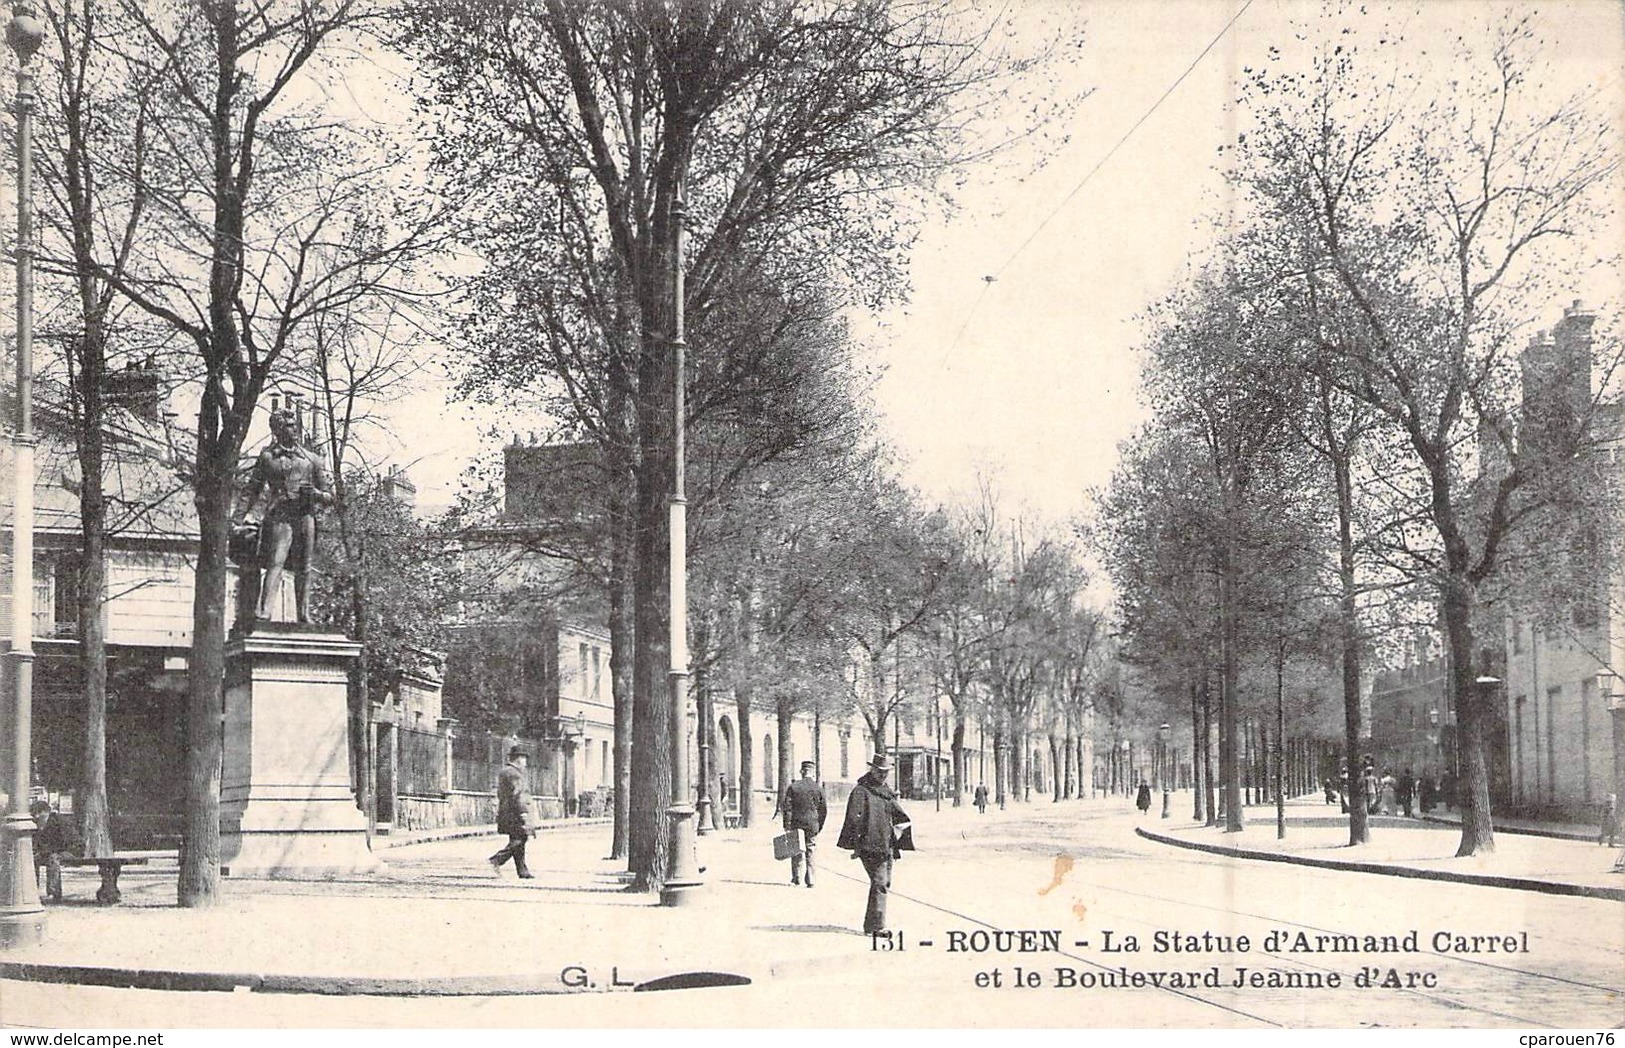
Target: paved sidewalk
{"type": "Point", "coordinates": [439, 921]}
{"type": "Point", "coordinates": [1573, 831]}
{"type": "Point", "coordinates": [1317, 835]}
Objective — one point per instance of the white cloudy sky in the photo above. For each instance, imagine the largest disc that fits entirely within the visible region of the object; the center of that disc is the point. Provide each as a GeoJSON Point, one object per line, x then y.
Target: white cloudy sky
{"type": "Point", "coordinates": [1031, 379]}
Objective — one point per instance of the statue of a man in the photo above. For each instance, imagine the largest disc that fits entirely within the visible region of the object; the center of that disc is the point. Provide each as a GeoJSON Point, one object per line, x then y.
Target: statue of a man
{"type": "Point", "coordinates": [293, 484]}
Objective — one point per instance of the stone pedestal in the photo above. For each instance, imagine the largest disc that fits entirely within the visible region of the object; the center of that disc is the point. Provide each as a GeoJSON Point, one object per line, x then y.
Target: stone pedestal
{"type": "Point", "coordinates": [287, 809]}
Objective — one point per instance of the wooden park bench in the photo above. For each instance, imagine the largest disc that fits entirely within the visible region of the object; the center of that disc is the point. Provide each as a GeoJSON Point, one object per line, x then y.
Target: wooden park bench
{"type": "Point", "coordinates": [108, 893]}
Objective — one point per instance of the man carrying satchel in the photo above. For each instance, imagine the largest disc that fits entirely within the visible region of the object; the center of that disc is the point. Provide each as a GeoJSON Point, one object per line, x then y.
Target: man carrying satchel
{"type": "Point", "coordinates": [804, 809]}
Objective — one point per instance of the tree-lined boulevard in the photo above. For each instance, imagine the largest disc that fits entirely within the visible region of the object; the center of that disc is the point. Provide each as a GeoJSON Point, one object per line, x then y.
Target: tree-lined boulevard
{"type": "Point", "coordinates": [1380, 430]}
{"type": "Point", "coordinates": [1302, 941]}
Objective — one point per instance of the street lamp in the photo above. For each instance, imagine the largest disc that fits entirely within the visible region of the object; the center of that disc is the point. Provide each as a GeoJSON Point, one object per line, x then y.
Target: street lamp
{"type": "Point", "coordinates": [1613, 700]}
{"type": "Point", "coordinates": [1162, 764]}
{"type": "Point", "coordinates": [22, 918]}
{"type": "Point", "coordinates": [936, 716]}
{"type": "Point", "coordinates": [682, 866]}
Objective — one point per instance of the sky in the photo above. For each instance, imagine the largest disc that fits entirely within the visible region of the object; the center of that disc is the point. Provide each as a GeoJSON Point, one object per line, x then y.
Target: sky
{"type": "Point", "coordinates": [1040, 386]}
{"type": "Point", "coordinates": [1031, 380]}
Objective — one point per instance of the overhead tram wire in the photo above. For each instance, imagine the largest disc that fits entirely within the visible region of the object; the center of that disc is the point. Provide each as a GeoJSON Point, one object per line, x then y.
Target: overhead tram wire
{"type": "Point", "coordinates": [988, 281]}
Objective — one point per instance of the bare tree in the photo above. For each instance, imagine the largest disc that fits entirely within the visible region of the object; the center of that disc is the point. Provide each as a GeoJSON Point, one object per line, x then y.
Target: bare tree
{"type": "Point", "coordinates": [771, 131]}
{"type": "Point", "coordinates": [247, 187]}
{"type": "Point", "coordinates": [1429, 227]}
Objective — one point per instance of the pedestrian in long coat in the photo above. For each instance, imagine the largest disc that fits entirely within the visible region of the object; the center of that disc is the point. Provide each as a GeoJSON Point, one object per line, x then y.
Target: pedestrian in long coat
{"type": "Point", "coordinates": [870, 833]}
{"type": "Point", "coordinates": [804, 809]}
{"type": "Point", "coordinates": [1142, 798]}
{"type": "Point", "coordinates": [513, 813]}
{"type": "Point", "coordinates": [1405, 791]}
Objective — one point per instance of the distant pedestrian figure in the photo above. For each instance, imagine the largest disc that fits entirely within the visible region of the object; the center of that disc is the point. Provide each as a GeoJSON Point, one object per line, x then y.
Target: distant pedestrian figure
{"type": "Point", "coordinates": [1427, 793]}
{"type": "Point", "coordinates": [870, 832]}
{"type": "Point", "coordinates": [1388, 797]}
{"type": "Point", "coordinates": [1405, 791]}
{"type": "Point", "coordinates": [513, 813]}
{"type": "Point", "coordinates": [804, 809]}
{"type": "Point", "coordinates": [981, 798]}
{"type": "Point", "coordinates": [1142, 799]}
{"type": "Point", "coordinates": [1330, 787]}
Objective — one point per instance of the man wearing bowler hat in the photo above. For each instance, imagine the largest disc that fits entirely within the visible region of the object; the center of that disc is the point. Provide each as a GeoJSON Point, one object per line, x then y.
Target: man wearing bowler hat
{"type": "Point", "coordinates": [870, 832]}
{"type": "Point", "coordinates": [513, 813]}
{"type": "Point", "coordinates": [804, 809]}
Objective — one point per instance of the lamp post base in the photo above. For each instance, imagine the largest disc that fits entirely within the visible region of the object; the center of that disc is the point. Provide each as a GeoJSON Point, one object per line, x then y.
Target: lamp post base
{"type": "Point", "coordinates": [682, 869]}
{"type": "Point", "coordinates": [22, 917]}
{"type": "Point", "coordinates": [1165, 812]}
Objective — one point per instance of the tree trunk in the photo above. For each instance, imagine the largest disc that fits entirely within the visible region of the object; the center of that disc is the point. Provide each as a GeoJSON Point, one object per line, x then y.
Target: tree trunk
{"type": "Point", "coordinates": [361, 699]}
{"type": "Point", "coordinates": [1477, 830]}
{"type": "Point", "coordinates": [1209, 791]}
{"type": "Point", "coordinates": [622, 645]}
{"type": "Point", "coordinates": [881, 705]}
{"type": "Point", "coordinates": [998, 763]}
{"type": "Point", "coordinates": [1229, 769]}
{"type": "Point", "coordinates": [747, 750]}
{"type": "Point", "coordinates": [1070, 788]}
{"type": "Point", "coordinates": [705, 772]}
{"type": "Point", "coordinates": [1055, 763]}
{"type": "Point", "coordinates": [622, 493]}
{"type": "Point", "coordinates": [1083, 773]}
{"type": "Point", "coordinates": [222, 424]}
{"type": "Point", "coordinates": [1018, 764]}
{"type": "Point", "coordinates": [359, 694]}
{"type": "Point", "coordinates": [1349, 625]}
{"type": "Point", "coordinates": [959, 756]}
{"type": "Point", "coordinates": [651, 720]}
{"type": "Point", "coordinates": [1197, 797]}
{"type": "Point", "coordinates": [818, 742]}
{"type": "Point", "coordinates": [784, 716]}
{"type": "Point", "coordinates": [199, 881]}
{"type": "Point", "coordinates": [91, 802]}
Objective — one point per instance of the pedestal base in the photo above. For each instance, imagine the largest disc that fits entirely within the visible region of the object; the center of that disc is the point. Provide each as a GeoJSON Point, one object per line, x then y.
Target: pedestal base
{"type": "Point", "coordinates": [683, 870]}
{"type": "Point", "coordinates": [287, 810]}
{"type": "Point", "coordinates": [22, 917]}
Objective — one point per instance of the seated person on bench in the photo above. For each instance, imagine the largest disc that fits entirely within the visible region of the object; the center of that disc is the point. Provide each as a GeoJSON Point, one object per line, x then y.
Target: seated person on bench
{"type": "Point", "coordinates": [54, 838]}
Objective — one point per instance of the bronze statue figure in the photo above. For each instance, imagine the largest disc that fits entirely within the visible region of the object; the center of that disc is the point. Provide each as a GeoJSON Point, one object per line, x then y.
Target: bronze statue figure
{"type": "Point", "coordinates": [294, 484]}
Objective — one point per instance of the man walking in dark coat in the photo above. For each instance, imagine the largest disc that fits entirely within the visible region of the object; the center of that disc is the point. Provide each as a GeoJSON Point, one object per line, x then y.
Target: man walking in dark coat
{"type": "Point", "coordinates": [513, 813]}
{"type": "Point", "coordinates": [804, 809]}
{"type": "Point", "coordinates": [870, 834]}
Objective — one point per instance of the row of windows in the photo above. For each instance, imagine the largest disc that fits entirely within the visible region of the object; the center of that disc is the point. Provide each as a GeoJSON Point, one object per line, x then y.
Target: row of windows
{"type": "Point", "coordinates": [590, 658]}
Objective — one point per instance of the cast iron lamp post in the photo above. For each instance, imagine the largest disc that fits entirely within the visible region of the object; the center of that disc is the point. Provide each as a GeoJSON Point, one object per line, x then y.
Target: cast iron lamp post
{"type": "Point", "coordinates": [1613, 699]}
{"type": "Point", "coordinates": [22, 918]}
{"type": "Point", "coordinates": [682, 866]}
{"type": "Point", "coordinates": [1162, 764]}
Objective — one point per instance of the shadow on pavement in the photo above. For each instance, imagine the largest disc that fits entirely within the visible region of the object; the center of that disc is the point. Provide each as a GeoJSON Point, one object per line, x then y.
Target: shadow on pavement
{"type": "Point", "coordinates": [827, 929]}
